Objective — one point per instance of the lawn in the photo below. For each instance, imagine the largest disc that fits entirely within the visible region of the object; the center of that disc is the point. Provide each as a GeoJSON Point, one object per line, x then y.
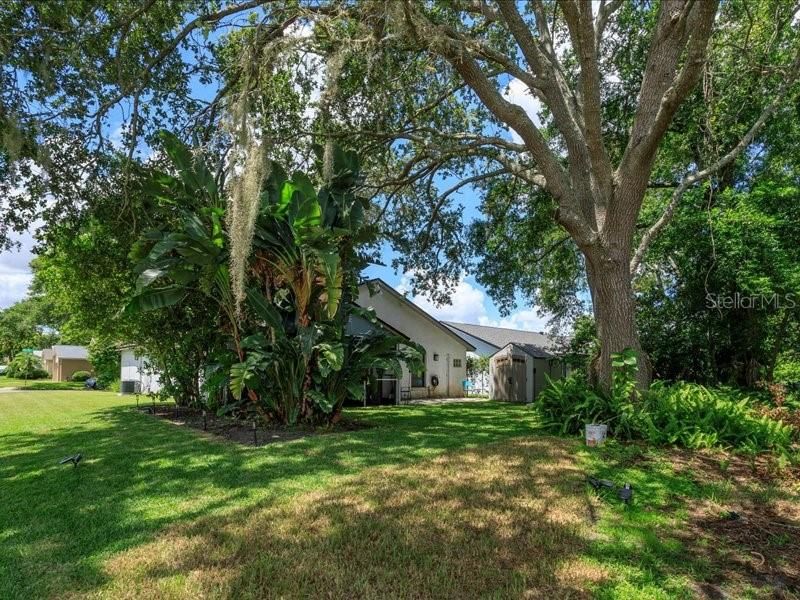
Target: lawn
{"type": "Point", "coordinates": [40, 384]}
{"type": "Point", "coordinates": [437, 501]}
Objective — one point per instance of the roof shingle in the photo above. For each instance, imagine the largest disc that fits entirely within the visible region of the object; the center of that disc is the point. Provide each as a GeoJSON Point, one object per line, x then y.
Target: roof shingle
{"type": "Point", "coordinates": [78, 352]}
{"type": "Point", "coordinates": [537, 344]}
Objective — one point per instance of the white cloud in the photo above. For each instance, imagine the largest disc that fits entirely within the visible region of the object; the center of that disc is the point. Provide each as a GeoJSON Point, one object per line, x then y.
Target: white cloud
{"type": "Point", "coordinates": [15, 273]}
{"type": "Point", "coordinates": [469, 304]}
{"type": "Point", "coordinates": [527, 320]}
{"type": "Point", "coordinates": [13, 287]}
{"type": "Point", "coordinates": [519, 93]}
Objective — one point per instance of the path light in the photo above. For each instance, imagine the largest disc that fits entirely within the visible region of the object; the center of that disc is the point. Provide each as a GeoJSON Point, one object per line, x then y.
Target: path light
{"type": "Point", "coordinates": [255, 434]}
{"type": "Point", "coordinates": [75, 459]}
{"type": "Point", "coordinates": [205, 422]}
{"type": "Point", "coordinates": [626, 493]}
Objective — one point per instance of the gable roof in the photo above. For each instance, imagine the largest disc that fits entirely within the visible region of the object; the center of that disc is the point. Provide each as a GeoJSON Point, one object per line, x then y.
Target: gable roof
{"type": "Point", "coordinates": [537, 344]}
{"type": "Point", "coordinates": [529, 349]}
{"type": "Point", "coordinates": [76, 352]}
{"type": "Point", "coordinates": [439, 324]}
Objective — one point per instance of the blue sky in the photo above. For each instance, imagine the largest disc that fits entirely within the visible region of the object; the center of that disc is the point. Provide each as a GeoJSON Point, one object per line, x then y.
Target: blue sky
{"type": "Point", "coordinates": [470, 303]}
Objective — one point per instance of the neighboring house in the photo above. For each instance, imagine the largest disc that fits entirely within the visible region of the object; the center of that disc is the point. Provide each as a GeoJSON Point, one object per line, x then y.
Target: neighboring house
{"type": "Point", "coordinates": [62, 361]}
{"type": "Point", "coordinates": [445, 350]}
{"type": "Point", "coordinates": [519, 360]}
{"type": "Point", "coordinates": [137, 376]}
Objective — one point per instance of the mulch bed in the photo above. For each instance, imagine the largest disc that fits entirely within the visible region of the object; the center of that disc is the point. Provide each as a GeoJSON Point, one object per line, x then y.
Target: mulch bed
{"type": "Point", "coordinates": [239, 430]}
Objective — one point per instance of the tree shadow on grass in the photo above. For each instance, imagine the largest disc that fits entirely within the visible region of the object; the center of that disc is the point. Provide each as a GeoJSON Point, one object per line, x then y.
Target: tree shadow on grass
{"type": "Point", "coordinates": [141, 475]}
{"type": "Point", "coordinates": [502, 520]}
{"type": "Point", "coordinates": [669, 542]}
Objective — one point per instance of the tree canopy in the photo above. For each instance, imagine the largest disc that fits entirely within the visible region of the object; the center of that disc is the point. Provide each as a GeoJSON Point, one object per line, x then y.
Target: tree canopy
{"type": "Point", "coordinates": [581, 125]}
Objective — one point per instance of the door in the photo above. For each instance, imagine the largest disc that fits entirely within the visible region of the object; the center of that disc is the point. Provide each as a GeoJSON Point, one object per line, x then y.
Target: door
{"type": "Point", "coordinates": [518, 379]}
{"type": "Point", "coordinates": [500, 375]}
{"type": "Point", "coordinates": [510, 378]}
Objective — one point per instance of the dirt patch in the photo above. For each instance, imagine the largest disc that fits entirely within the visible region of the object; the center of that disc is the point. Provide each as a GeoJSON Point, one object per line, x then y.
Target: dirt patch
{"type": "Point", "coordinates": [241, 431]}
{"type": "Point", "coordinates": [752, 532]}
{"type": "Point", "coordinates": [754, 544]}
{"type": "Point", "coordinates": [718, 466]}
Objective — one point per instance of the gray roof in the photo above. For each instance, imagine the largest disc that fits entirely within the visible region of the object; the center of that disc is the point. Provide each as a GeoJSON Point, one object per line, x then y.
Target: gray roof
{"type": "Point", "coordinates": [534, 351]}
{"type": "Point", "coordinates": [77, 352]}
{"type": "Point", "coordinates": [535, 343]}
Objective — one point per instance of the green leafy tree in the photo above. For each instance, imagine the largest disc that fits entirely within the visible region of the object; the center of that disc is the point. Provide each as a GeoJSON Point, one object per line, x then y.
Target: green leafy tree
{"type": "Point", "coordinates": [26, 366]}
{"type": "Point", "coordinates": [84, 269]}
{"type": "Point", "coordinates": [292, 359]}
{"type": "Point", "coordinates": [31, 323]}
{"type": "Point", "coordinates": [421, 89]}
{"type": "Point", "coordinates": [727, 299]}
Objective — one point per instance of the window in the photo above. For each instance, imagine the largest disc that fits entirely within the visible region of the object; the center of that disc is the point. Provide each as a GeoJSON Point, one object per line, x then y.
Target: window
{"type": "Point", "coordinates": [418, 378]}
{"type": "Point", "coordinates": [435, 356]}
{"type": "Point", "coordinates": [456, 362]}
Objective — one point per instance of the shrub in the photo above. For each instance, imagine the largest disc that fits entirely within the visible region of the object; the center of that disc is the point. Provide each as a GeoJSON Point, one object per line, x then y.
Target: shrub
{"type": "Point", "coordinates": [566, 405]}
{"type": "Point", "coordinates": [105, 359]}
{"type": "Point", "coordinates": [80, 376]}
{"type": "Point", "coordinates": [111, 386]}
{"type": "Point", "coordinates": [682, 414]}
{"type": "Point", "coordinates": [787, 370]}
{"type": "Point", "coordinates": [26, 366]}
{"type": "Point", "coordinates": [694, 416]}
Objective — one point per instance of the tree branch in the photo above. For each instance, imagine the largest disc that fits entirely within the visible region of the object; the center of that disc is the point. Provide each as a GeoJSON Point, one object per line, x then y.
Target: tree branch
{"type": "Point", "coordinates": [582, 33]}
{"type": "Point", "coordinates": [166, 51]}
{"type": "Point", "coordinates": [681, 24]}
{"type": "Point", "coordinates": [700, 175]}
{"type": "Point", "coordinates": [605, 10]}
{"type": "Point", "coordinates": [447, 193]}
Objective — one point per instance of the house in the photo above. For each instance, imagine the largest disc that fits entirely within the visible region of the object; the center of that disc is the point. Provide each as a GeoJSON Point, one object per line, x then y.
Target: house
{"type": "Point", "coordinates": [61, 362]}
{"type": "Point", "coordinates": [137, 375]}
{"type": "Point", "coordinates": [519, 361]}
{"type": "Point", "coordinates": [445, 350]}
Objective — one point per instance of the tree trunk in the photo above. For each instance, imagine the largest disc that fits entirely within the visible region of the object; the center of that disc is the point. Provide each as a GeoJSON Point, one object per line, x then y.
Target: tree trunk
{"type": "Point", "coordinates": [614, 307]}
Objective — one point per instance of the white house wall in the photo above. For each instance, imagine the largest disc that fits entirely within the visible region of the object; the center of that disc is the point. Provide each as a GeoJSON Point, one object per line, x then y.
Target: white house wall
{"type": "Point", "coordinates": [137, 368]}
{"type": "Point", "coordinates": [434, 339]}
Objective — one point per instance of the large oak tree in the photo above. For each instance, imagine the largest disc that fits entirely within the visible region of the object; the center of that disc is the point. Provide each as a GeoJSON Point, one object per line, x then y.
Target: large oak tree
{"type": "Point", "coordinates": [422, 89]}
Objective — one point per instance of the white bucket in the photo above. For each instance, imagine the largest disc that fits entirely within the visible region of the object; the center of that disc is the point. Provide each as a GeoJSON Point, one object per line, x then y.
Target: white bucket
{"type": "Point", "coordinates": [596, 434]}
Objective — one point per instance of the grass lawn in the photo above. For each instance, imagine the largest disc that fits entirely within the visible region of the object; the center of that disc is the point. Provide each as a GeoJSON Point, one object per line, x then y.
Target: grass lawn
{"type": "Point", "coordinates": [40, 384]}
{"type": "Point", "coordinates": [454, 501]}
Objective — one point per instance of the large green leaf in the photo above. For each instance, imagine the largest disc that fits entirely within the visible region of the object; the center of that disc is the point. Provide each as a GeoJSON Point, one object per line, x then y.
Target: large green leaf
{"type": "Point", "coordinates": [265, 311]}
{"type": "Point", "coordinates": [324, 402]}
{"type": "Point", "coordinates": [155, 298]}
{"type": "Point", "coordinates": [238, 375]}
{"type": "Point", "coordinates": [332, 273]}
{"type": "Point", "coordinates": [356, 391]}
{"type": "Point", "coordinates": [148, 276]}
{"type": "Point", "coordinates": [331, 358]}
{"type": "Point", "coordinates": [190, 165]}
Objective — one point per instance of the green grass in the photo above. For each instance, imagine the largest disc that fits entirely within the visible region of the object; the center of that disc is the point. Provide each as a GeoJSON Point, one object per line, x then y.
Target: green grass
{"type": "Point", "coordinates": [40, 384]}
{"type": "Point", "coordinates": [433, 501]}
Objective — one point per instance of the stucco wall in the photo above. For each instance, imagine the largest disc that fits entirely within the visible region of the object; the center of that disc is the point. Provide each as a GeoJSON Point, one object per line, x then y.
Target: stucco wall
{"type": "Point", "coordinates": [396, 313]}
{"type": "Point", "coordinates": [65, 367]}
